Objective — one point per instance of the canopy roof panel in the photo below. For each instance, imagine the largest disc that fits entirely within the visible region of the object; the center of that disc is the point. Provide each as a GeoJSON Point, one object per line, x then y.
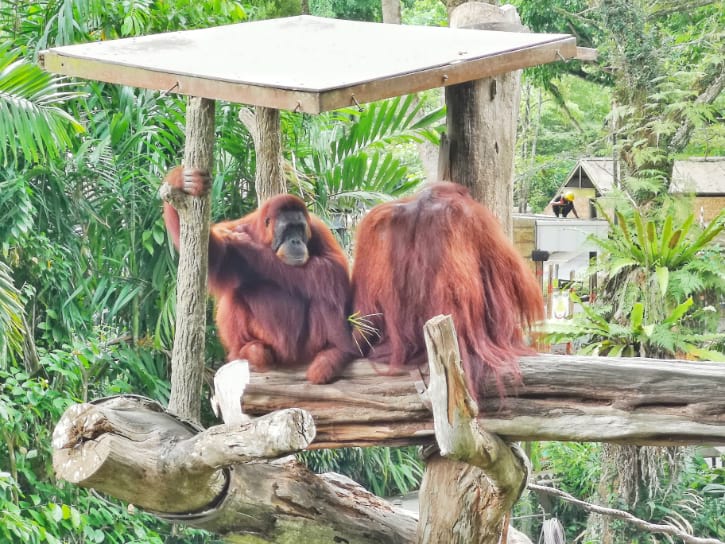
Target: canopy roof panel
{"type": "Point", "coordinates": [306, 63]}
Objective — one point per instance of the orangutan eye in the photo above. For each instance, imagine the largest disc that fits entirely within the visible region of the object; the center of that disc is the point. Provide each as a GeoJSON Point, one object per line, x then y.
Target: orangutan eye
{"type": "Point", "coordinates": [266, 222]}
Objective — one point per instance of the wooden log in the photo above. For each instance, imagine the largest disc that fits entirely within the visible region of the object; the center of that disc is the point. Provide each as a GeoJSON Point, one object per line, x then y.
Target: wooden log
{"type": "Point", "coordinates": [131, 449]}
{"type": "Point", "coordinates": [482, 119]}
{"type": "Point", "coordinates": [264, 126]}
{"type": "Point", "coordinates": [570, 398]}
{"type": "Point", "coordinates": [187, 359]}
{"type": "Point", "coordinates": [469, 489]}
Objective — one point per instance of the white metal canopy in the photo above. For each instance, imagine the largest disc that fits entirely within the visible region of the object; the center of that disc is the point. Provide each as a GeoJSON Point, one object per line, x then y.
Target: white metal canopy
{"type": "Point", "coordinates": [306, 63]}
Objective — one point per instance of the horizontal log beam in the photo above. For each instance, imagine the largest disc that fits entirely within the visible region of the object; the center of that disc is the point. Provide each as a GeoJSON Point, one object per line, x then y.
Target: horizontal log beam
{"type": "Point", "coordinates": [568, 398]}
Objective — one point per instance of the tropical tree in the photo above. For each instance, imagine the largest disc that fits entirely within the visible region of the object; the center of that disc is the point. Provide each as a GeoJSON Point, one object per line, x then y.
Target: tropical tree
{"type": "Point", "coordinates": [662, 62]}
{"type": "Point", "coordinates": [660, 66]}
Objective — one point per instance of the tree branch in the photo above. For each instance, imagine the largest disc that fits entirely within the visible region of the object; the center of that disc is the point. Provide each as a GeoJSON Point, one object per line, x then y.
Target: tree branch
{"type": "Point", "coordinates": [665, 9]}
{"type": "Point", "coordinates": [626, 516]}
{"type": "Point", "coordinates": [458, 433]}
{"type": "Point", "coordinates": [187, 361]}
{"type": "Point", "coordinates": [713, 89]}
{"type": "Point", "coordinates": [469, 489]}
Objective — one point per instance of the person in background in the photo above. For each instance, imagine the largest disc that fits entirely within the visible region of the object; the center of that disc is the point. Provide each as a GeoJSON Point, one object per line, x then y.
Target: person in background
{"type": "Point", "coordinates": [563, 204]}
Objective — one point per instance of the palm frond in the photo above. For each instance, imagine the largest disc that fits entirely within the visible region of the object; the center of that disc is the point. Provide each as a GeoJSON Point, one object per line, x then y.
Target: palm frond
{"type": "Point", "coordinates": [11, 316]}
{"type": "Point", "coordinates": [354, 156]}
{"type": "Point", "coordinates": [395, 120]}
{"type": "Point", "coordinates": [33, 126]}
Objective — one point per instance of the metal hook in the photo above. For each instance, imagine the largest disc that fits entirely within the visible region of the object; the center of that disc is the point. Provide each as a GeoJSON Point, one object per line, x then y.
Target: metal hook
{"type": "Point", "coordinates": [354, 101]}
{"type": "Point", "coordinates": [175, 86]}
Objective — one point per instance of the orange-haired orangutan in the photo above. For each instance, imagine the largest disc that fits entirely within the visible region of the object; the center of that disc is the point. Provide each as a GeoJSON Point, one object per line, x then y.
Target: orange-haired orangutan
{"type": "Point", "coordinates": [441, 252]}
{"type": "Point", "coordinates": [281, 283]}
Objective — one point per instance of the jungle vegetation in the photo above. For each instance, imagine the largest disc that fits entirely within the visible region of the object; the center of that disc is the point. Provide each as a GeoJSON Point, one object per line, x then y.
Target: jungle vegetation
{"type": "Point", "coordinates": [87, 290]}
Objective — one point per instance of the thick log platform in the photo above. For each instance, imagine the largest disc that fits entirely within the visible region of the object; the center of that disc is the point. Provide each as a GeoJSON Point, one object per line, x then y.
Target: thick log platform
{"type": "Point", "coordinates": [568, 398]}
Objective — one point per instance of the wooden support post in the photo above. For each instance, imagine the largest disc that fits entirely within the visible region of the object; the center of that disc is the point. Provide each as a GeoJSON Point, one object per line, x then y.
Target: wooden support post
{"type": "Point", "coordinates": [265, 129]}
{"type": "Point", "coordinates": [469, 489]}
{"type": "Point", "coordinates": [482, 118]}
{"type": "Point", "coordinates": [391, 12]}
{"type": "Point", "coordinates": [187, 360]}
{"type": "Point", "coordinates": [269, 178]}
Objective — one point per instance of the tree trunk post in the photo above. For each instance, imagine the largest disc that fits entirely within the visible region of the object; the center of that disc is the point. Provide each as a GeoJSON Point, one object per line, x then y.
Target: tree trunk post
{"type": "Point", "coordinates": [482, 119]}
{"type": "Point", "coordinates": [263, 124]}
{"type": "Point", "coordinates": [469, 488]}
{"type": "Point", "coordinates": [269, 177]}
{"type": "Point", "coordinates": [391, 11]}
{"type": "Point", "coordinates": [187, 359]}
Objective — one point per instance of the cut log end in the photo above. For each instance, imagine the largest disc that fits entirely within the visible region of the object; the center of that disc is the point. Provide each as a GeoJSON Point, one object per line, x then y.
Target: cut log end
{"type": "Point", "coordinates": [79, 424]}
{"type": "Point", "coordinates": [229, 383]}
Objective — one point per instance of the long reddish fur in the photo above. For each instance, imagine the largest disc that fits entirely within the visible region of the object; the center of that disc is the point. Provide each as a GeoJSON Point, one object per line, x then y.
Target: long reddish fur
{"type": "Point", "coordinates": [268, 312]}
{"type": "Point", "coordinates": [441, 252]}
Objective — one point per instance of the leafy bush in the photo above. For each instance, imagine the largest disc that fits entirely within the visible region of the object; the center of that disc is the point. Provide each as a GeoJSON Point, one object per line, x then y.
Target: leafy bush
{"type": "Point", "coordinates": [660, 282]}
{"type": "Point", "coordinates": [384, 471]}
{"type": "Point", "coordinates": [34, 507]}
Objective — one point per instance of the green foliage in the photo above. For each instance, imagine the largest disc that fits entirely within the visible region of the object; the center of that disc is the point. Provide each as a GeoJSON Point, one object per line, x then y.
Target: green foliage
{"type": "Point", "coordinates": [693, 501]}
{"type": "Point", "coordinates": [575, 465]}
{"type": "Point", "coordinates": [84, 240]}
{"type": "Point", "coordinates": [653, 272]}
{"type": "Point", "coordinates": [33, 507]}
{"type": "Point", "coordinates": [423, 12]}
{"type": "Point", "coordinates": [652, 245]}
{"type": "Point", "coordinates": [553, 135]}
{"type": "Point", "coordinates": [355, 10]}
{"type": "Point", "coordinates": [33, 125]}
{"type": "Point", "coordinates": [352, 161]}
{"type": "Point", "coordinates": [596, 335]}
{"type": "Point", "coordinates": [575, 468]}
{"type": "Point", "coordinates": [11, 322]}
{"type": "Point", "coordinates": [666, 85]}
{"type": "Point", "coordinates": [656, 77]}
{"type": "Point", "coordinates": [42, 24]}
{"type": "Point", "coordinates": [188, 14]}
{"type": "Point", "coordinates": [384, 471]}
{"type": "Point", "coordinates": [545, 176]}
{"type": "Point", "coordinates": [696, 502]}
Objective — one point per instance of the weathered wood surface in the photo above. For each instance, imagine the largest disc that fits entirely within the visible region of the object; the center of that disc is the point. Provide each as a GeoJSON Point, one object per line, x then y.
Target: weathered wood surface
{"type": "Point", "coordinates": [596, 399]}
{"type": "Point", "coordinates": [222, 479]}
{"type": "Point", "coordinates": [128, 447]}
{"type": "Point", "coordinates": [469, 489]}
{"type": "Point", "coordinates": [326, 68]}
{"type": "Point", "coordinates": [264, 126]}
{"type": "Point", "coordinates": [187, 360]}
{"type": "Point", "coordinates": [482, 120]}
